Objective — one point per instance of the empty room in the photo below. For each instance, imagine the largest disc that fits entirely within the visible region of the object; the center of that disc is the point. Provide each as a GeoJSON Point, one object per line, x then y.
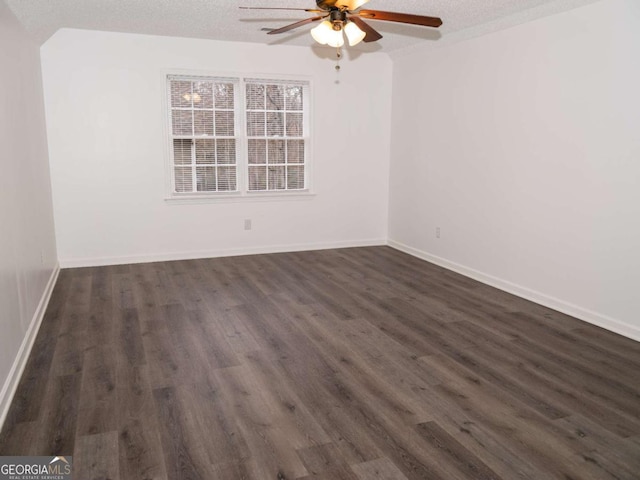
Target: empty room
{"type": "Point", "coordinates": [320, 239]}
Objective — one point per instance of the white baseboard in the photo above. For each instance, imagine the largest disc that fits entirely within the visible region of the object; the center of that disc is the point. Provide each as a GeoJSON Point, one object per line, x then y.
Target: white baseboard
{"type": "Point", "coordinates": [589, 316]}
{"type": "Point", "coordinates": [20, 362]}
{"type": "Point", "coordinates": [230, 252]}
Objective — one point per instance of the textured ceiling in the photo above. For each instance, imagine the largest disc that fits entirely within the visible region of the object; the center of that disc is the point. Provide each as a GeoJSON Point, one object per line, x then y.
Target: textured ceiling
{"type": "Point", "coordinates": [223, 20]}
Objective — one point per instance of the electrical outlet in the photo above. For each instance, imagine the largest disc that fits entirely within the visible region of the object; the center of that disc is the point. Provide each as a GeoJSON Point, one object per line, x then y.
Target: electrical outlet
{"type": "Point", "coordinates": [437, 232]}
{"type": "Point", "coordinates": [247, 224]}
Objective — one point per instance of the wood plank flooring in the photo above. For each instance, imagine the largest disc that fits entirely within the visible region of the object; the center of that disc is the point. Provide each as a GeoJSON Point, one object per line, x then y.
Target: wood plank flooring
{"type": "Point", "coordinates": [351, 364]}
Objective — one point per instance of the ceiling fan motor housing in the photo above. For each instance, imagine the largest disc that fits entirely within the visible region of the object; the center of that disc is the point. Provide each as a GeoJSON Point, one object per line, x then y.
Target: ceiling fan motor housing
{"type": "Point", "coordinates": [338, 18]}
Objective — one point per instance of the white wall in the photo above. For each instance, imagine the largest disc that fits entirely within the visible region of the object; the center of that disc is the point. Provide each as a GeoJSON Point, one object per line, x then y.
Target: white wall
{"type": "Point", "coordinates": [27, 243]}
{"type": "Point", "coordinates": [103, 96]}
{"type": "Point", "coordinates": [523, 146]}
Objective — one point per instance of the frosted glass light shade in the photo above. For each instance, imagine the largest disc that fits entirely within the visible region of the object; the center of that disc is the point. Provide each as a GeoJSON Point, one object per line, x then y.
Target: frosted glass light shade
{"type": "Point", "coordinates": [336, 39]}
{"type": "Point", "coordinates": [324, 34]}
{"type": "Point", "coordinates": [353, 33]}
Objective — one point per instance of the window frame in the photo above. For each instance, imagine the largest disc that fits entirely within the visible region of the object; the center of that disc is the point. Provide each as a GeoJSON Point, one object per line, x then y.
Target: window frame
{"type": "Point", "coordinates": [194, 138]}
{"type": "Point", "coordinates": [242, 193]}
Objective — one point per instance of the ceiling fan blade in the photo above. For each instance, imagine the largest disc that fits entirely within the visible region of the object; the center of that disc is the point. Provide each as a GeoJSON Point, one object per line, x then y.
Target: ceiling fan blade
{"type": "Point", "coordinates": [312, 10]}
{"type": "Point", "coordinates": [296, 25]}
{"type": "Point", "coordinates": [350, 4]}
{"type": "Point", "coordinates": [400, 18]}
{"type": "Point", "coordinates": [372, 34]}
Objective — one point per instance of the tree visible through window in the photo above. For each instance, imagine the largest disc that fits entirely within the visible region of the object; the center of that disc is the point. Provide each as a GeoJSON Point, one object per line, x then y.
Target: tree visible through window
{"type": "Point", "coordinates": [275, 132]}
{"type": "Point", "coordinates": [211, 120]}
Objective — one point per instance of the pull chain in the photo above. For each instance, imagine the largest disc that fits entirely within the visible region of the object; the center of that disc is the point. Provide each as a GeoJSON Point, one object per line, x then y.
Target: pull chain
{"type": "Point", "coordinates": [338, 57]}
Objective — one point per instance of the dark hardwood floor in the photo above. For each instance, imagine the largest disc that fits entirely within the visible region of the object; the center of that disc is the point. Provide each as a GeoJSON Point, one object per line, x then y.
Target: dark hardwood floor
{"type": "Point", "coordinates": [352, 364]}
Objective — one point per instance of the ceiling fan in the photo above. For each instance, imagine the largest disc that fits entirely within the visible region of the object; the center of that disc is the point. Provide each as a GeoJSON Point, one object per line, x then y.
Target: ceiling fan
{"type": "Point", "coordinates": [346, 16]}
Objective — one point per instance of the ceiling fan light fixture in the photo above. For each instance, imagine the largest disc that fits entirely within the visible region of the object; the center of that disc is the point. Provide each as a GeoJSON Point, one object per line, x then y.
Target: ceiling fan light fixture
{"type": "Point", "coordinates": [327, 34]}
{"type": "Point", "coordinates": [354, 34]}
{"type": "Point", "coordinates": [323, 32]}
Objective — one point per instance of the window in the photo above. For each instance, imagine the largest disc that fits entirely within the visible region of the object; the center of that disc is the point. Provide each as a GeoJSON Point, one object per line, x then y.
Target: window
{"type": "Point", "coordinates": [237, 136]}
{"type": "Point", "coordinates": [203, 135]}
{"type": "Point", "coordinates": [275, 133]}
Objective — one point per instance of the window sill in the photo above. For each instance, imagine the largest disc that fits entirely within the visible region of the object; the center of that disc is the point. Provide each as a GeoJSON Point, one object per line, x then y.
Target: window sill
{"type": "Point", "coordinates": [235, 197]}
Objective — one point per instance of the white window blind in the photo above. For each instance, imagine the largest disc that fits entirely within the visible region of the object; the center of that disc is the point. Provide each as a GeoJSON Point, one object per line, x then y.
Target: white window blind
{"type": "Point", "coordinates": [276, 140]}
{"type": "Point", "coordinates": [237, 135]}
{"type": "Point", "coordinates": [203, 134]}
